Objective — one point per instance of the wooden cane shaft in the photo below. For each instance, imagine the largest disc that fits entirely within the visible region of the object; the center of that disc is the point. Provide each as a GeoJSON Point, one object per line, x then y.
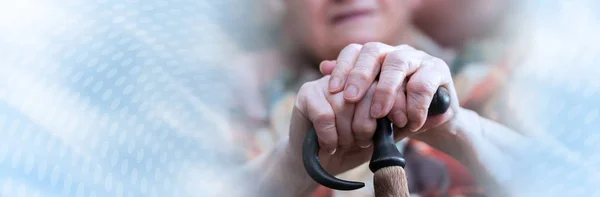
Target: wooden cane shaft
{"type": "Point", "coordinates": [391, 182]}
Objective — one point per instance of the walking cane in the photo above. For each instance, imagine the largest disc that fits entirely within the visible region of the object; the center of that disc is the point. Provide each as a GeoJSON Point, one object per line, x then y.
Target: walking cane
{"type": "Point", "coordinates": [387, 163]}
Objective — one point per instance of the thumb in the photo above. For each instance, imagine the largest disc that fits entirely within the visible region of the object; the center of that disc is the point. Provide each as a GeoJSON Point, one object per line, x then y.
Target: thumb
{"type": "Point", "coordinates": [326, 67]}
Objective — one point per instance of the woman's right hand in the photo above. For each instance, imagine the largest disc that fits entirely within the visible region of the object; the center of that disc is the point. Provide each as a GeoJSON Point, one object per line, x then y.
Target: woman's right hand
{"type": "Point", "coordinates": [344, 129]}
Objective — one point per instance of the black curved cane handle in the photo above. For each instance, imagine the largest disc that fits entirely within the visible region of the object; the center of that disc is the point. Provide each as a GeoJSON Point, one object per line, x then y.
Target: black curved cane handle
{"type": "Point", "coordinates": [384, 154]}
{"type": "Point", "coordinates": [310, 156]}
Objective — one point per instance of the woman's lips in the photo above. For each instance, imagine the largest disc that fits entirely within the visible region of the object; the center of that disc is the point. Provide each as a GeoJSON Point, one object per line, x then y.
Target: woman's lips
{"type": "Point", "coordinates": [351, 15]}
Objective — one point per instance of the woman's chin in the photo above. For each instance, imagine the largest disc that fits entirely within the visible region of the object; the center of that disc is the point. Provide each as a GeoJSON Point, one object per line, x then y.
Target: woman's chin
{"type": "Point", "coordinates": [355, 39]}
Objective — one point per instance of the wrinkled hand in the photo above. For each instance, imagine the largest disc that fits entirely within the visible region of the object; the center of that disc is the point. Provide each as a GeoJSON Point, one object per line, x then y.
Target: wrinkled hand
{"type": "Point", "coordinates": [343, 106]}
{"type": "Point", "coordinates": [344, 129]}
{"type": "Point", "coordinates": [408, 79]}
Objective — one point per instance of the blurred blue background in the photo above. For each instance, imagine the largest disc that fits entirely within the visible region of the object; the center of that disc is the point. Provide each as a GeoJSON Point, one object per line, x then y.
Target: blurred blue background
{"type": "Point", "coordinates": [125, 98]}
{"type": "Point", "coordinates": [114, 98]}
{"type": "Point", "coordinates": [556, 93]}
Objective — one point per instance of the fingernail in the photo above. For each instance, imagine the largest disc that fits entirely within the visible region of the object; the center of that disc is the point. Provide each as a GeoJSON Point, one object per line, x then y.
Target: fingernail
{"type": "Point", "coordinates": [333, 152]}
{"type": "Point", "coordinates": [400, 119]}
{"type": "Point", "coordinates": [335, 83]}
{"type": "Point", "coordinates": [413, 128]}
{"type": "Point", "coordinates": [365, 144]}
{"type": "Point", "coordinates": [351, 92]}
{"type": "Point", "coordinates": [376, 110]}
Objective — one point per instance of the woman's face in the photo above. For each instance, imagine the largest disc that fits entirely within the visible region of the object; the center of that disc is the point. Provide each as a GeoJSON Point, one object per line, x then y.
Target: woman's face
{"type": "Point", "coordinates": [324, 27]}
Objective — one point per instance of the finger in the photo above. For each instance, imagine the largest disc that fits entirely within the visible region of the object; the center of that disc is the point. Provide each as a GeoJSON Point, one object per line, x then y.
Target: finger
{"type": "Point", "coordinates": [313, 105]}
{"type": "Point", "coordinates": [363, 124]}
{"type": "Point", "coordinates": [400, 133]}
{"type": "Point", "coordinates": [344, 112]}
{"type": "Point", "coordinates": [420, 89]}
{"type": "Point", "coordinates": [323, 119]}
{"type": "Point", "coordinates": [396, 66]}
{"type": "Point", "coordinates": [326, 67]}
{"type": "Point", "coordinates": [365, 70]}
{"type": "Point", "coordinates": [398, 112]}
{"type": "Point", "coordinates": [345, 62]}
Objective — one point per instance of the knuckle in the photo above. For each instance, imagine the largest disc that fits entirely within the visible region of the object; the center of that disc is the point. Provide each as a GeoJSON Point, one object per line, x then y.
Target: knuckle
{"type": "Point", "coordinates": [421, 53]}
{"type": "Point", "coordinates": [421, 88]}
{"type": "Point", "coordinates": [372, 45]}
{"type": "Point", "coordinates": [342, 63]}
{"type": "Point", "coordinates": [305, 94]}
{"type": "Point", "coordinates": [442, 65]}
{"type": "Point", "coordinates": [398, 54]}
{"type": "Point", "coordinates": [338, 72]}
{"type": "Point", "coordinates": [385, 88]}
{"type": "Point", "coordinates": [404, 47]}
{"type": "Point", "coordinates": [342, 67]}
{"type": "Point", "coordinates": [305, 88]}
{"type": "Point", "coordinates": [352, 47]}
{"type": "Point", "coordinates": [427, 65]}
{"type": "Point", "coordinates": [371, 49]}
{"type": "Point", "coordinates": [315, 83]}
{"type": "Point", "coordinates": [324, 119]}
{"type": "Point", "coordinates": [438, 61]}
{"type": "Point", "coordinates": [363, 130]}
{"type": "Point", "coordinates": [359, 74]}
{"type": "Point", "coordinates": [307, 85]}
{"type": "Point", "coordinates": [327, 134]}
{"type": "Point", "coordinates": [436, 64]}
{"type": "Point", "coordinates": [418, 109]}
{"type": "Point", "coordinates": [397, 61]}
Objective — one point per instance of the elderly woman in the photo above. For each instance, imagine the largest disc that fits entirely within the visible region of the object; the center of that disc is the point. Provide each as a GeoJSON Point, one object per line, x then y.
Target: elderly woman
{"type": "Point", "coordinates": [325, 77]}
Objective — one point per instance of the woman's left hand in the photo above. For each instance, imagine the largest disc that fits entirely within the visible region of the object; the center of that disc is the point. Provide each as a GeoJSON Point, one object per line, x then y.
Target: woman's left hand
{"type": "Point", "coordinates": [408, 79]}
